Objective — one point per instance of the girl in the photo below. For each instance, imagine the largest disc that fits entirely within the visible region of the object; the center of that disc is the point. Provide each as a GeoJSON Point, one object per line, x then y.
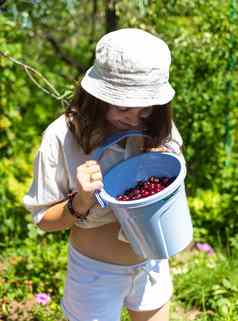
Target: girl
{"type": "Point", "coordinates": [126, 89]}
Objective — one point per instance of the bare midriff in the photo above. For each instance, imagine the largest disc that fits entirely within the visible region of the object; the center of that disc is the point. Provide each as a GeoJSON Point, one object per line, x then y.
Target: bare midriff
{"type": "Point", "coordinates": [101, 243]}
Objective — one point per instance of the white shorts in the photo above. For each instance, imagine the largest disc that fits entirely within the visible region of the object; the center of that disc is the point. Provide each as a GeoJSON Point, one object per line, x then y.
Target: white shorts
{"type": "Point", "coordinates": [97, 291]}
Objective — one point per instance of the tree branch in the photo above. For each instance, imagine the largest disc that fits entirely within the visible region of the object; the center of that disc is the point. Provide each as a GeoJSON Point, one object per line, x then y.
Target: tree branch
{"type": "Point", "coordinates": [33, 73]}
{"type": "Point", "coordinates": [62, 55]}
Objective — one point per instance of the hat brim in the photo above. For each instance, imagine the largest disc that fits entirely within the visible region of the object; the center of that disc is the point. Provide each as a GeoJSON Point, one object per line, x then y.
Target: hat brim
{"type": "Point", "coordinates": [124, 95]}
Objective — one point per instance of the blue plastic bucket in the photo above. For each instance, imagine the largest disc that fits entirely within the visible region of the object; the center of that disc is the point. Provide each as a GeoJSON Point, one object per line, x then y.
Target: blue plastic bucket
{"type": "Point", "coordinates": [158, 226]}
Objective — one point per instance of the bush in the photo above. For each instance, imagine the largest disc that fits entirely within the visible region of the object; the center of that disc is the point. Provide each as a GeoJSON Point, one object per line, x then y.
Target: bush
{"type": "Point", "coordinates": [203, 37]}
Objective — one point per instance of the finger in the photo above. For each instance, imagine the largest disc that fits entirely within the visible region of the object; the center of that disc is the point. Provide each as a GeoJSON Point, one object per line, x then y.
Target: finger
{"type": "Point", "coordinates": [91, 163]}
{"type": "Point", "coordinates": [85, 170]}
{"type": "Point", "coordinates": [158, 149]}
{"type": "Point", "coordinates": [93, 169]}
{"type": "Point", "coordinates": [82, 175]}
{"type": "Point", "coordinates": [88, 173]}
{"type": "Point", "coordinates": [93, 187]}
{"type": "Point", "coordinates": [97, 176]}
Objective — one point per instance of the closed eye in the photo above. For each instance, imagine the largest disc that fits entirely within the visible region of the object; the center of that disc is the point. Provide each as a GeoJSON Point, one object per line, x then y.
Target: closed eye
{"type": "Point", "coordinates": [145, 112]}
{"type": "Point", "coordinates": [123, 108]}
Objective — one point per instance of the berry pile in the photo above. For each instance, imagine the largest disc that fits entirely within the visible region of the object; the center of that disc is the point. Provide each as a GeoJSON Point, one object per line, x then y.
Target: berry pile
{"type": "Point", "coordinates": [152, 185]}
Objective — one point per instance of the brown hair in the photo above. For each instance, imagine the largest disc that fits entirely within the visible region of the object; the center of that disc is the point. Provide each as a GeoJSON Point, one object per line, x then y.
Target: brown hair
{"type": "Point", "coordinates": [85, 117]}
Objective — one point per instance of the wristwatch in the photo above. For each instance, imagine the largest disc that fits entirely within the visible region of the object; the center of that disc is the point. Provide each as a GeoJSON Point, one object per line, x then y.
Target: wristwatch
{"type": "Point", "coordinates": [73, 212]}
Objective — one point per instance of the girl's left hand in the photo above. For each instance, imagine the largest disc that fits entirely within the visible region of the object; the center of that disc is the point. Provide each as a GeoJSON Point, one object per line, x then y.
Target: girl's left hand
{"type": "Point", "coordinates": [161, 148]}
{"type": "Point", "coordinates": [152, 145]}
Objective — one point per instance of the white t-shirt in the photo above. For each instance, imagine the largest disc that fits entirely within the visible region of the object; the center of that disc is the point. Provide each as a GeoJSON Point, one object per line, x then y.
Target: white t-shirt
{"type": "Point", "coordinates": [55, 167]}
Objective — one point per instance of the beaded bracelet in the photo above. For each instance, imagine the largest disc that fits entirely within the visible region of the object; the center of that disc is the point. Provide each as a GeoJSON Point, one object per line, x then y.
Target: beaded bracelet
{"type": "Point", "coordinates": [73, 212]}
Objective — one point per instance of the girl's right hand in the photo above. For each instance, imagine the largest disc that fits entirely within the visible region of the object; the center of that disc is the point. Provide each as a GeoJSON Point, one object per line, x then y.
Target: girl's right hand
{"type": "Point", "coordinates": [89, 180]}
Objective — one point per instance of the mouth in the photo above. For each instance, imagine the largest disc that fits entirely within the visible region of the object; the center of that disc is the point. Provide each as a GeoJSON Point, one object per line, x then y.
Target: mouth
{"type": "Point", "coordinates": [121, 124]}
{"type": "Point", "coordinates": [128, 126]}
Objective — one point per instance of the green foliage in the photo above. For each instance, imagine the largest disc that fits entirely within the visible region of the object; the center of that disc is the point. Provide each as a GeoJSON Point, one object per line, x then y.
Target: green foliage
{"type": "Point", "coordinates": [29, 270]}
{"type": "Point", "coordinates": [57, 40]}
{"type": "Point", "coordinates": [27, 30]}
{"type": "Point", "coordinates": [20, 126]}
{"type": "Point", "coordinates": [34, 260]}
{"type": "Point", "coordinates": [203, 38]}
{"type": "Point", "coordinates": [208, 283]}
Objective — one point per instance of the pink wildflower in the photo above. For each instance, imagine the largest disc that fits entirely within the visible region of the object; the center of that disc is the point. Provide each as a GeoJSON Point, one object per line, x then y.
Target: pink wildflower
{"type": "Point", "coordinates": [42, 298]}
{"type": "Point", "coordinates": [204, 247]}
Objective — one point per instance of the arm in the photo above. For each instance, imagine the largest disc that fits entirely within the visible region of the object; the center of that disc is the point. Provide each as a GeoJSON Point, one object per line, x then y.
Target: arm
{"type": "Point", "coordinates": [47, 196]}
{"type": "Point", "coordinates": [58, 216]}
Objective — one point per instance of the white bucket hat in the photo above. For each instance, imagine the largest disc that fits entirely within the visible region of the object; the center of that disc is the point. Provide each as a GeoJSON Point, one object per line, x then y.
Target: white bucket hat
{"type": "Point", "coordinates": [131, 69]}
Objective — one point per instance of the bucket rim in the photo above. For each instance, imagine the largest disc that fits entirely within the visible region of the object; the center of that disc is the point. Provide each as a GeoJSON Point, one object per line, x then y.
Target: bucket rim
{"type": "Point", "coordinates": [153, 198]}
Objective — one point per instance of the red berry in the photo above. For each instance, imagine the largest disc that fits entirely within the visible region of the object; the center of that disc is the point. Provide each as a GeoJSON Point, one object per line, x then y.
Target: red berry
{"type": "Point", "coordinates": [128, 191]}
{"type": "Point", "coordinates": [151, 186]}
{"type": "Point", "coordinates": [165, 180]}
{"type": "Point", "coordinates": [136, 191]}
{"type": "Point", "coordinates": [145, 193]}
{"type": "Point", "coordinates": [153, 179]}
{"type": "Point", "coordinates": [131, 195]}
{"type": "Point", "coordinates": [146, 185]}
{"type": "Point", "coordinates": [140, 184]}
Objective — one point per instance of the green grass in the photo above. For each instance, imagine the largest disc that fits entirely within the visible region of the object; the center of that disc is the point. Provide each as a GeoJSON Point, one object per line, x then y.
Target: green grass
{"type": "Point", "coordinates": [206, 286]}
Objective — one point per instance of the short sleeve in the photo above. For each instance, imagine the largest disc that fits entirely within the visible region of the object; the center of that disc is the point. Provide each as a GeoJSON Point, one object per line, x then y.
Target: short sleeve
{"type": "Point", "coordinates": [50, 182]}
{"type": "Point", "coordinates": [176, 141]}
{"type": "Point", "coordinates": [176, 135]}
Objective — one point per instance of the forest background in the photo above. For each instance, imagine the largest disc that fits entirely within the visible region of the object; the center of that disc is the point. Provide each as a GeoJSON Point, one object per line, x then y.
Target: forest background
{"type": "Point", "coordinates": [45, 47]}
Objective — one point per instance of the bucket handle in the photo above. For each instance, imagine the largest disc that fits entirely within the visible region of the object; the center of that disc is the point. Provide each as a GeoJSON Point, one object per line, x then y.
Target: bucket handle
{"type": "Point", "coordinates": [107, 143]}
{"type": "Point", "coordinates": [113, 139]}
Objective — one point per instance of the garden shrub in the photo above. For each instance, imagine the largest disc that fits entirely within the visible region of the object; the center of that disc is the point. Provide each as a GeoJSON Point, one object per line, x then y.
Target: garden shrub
{"type": "Point", "coordinates": [203, 37]}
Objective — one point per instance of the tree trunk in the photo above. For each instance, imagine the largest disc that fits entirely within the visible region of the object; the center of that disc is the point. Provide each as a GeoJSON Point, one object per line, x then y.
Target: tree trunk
{"type": "Point", "coordinates": [93, 20]}
{"type": "Point", "coordinates": [110, 15]}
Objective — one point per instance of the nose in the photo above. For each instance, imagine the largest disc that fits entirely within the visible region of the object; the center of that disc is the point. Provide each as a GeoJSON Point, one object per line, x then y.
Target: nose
{"type": "Point", "coordinates": [133, 117]}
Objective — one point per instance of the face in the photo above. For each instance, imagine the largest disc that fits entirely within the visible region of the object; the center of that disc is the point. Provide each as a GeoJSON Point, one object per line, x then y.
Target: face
{"type": "Point", "coordinates": [124, 118]}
